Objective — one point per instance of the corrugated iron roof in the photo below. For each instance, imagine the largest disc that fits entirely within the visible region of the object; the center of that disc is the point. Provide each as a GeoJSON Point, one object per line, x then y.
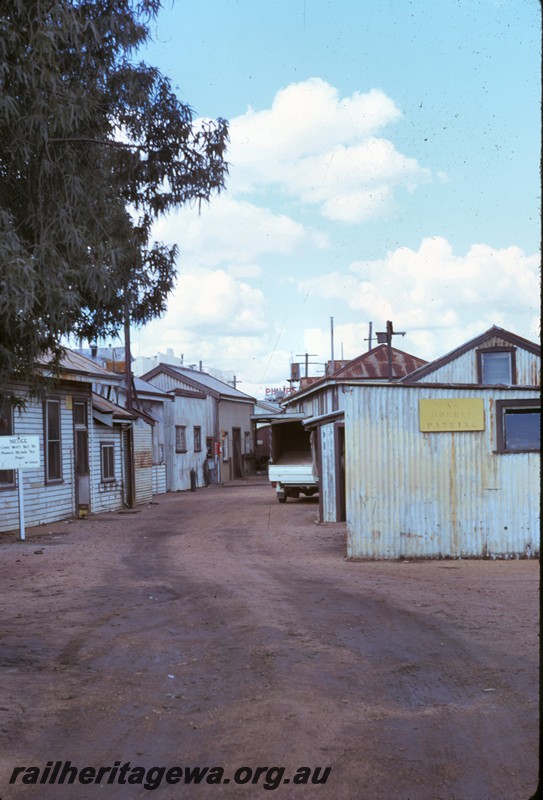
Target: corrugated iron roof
{"type": "Point", "coordinates": [76, 362]}
{"type": "Point", "coordinates": [373, 365]}
{"type": "Point", "coordinates": [208, 382]}
{"type": "Point", "coordinates": [107, 407]}
{"type": "Point", "coordinates": [143, 387]}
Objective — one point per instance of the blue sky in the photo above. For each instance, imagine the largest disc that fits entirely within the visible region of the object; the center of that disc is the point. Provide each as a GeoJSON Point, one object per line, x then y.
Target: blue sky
{"type": "Point", "coordinates": [384, 165]}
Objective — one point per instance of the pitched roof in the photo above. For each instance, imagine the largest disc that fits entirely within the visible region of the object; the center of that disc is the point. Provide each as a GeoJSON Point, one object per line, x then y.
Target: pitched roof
{"type": "Point", "coordinates": [106, 407]}
{"type": "Point", "coordinates": [373, 365]}
{"type": "Point", "coordinates": [146, 388]}
{"type": "Point", "coordinates": [78, 364]}
{"type": "Point", "coordinates": [200, 380]}
{"type": "Point", "coordinates": [477, 341]}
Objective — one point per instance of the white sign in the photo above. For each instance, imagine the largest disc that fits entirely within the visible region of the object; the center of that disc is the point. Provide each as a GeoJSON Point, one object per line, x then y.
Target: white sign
{"type": "Point", "coordinates": [19, 452]}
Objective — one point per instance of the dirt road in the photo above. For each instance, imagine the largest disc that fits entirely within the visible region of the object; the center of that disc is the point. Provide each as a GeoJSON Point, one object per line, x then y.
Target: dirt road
{"type": "Point", "coordinates": [221, 629]}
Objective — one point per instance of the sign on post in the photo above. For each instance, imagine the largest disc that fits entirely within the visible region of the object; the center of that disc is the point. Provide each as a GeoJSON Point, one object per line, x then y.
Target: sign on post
{"type": "Point", "coordinates": [20, 452]}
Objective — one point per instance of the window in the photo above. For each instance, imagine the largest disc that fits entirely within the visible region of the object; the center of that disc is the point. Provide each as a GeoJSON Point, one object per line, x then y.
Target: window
{"type": "Point", "coordinates": [53, 454]}
{"type": "Point", "coordinates": [180, 438]}
{"type": "Point", "coordinates": [7, 476]}
{"type": "Point", "coordinates": [496, 366]}
{"type": "Point", "coordinates": [225, 447]}
{"type": "Point", "coordinates": [518, 426]}
{"type": "Point", "coordinates": [81, 437]}
{"type": "Point", "coordinates": [322, 403]}
{"type": "Point", "coordinates": [209, 446]}
{"type": "Point", "coordinates": [80, 414]}
{"type": "Point", "coordinates": [197, 439]}
{"type": "Point", "coordinates": [107, 462]}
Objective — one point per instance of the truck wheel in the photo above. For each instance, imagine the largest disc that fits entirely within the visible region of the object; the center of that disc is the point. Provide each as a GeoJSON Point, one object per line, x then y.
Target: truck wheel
{"type": "Point", "coordinates": [282, 497]}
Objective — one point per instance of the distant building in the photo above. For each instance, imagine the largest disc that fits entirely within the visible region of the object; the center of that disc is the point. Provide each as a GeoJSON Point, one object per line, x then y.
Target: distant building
{"type": "Point", "coordinates": [209, 427]}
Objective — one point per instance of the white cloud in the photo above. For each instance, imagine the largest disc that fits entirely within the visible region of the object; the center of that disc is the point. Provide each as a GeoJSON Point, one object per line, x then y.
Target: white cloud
{"type": "Point", "coordinates": [235, 231]}
{"type": "Point", "coordinates": [441, 299]}
{"type": "Point", "coordinates": [245, 270]}
{"type": "Point", "coordinates": [210, 301]}
{"type": "Point", "coordinates": [323, 150]}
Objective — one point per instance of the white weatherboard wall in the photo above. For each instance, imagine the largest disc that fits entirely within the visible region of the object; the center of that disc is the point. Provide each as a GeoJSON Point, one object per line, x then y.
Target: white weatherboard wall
{"type": "Point", "coordinates": [106, 496]}
{"type": "Point", "coordinates": [51, 502]}
{"type": "Point", "coordinates": [413, 494]}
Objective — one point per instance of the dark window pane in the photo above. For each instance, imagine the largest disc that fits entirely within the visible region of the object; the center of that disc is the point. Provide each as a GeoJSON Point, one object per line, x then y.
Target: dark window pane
{"type": "Point", "coordinates": [53, 420]}
{"type": "Point", "coordinates": [80, 414]}
{"type": "Point", "coordinates": [108, 462]}
{"type": "Point", "coordinates": [53, 460]}
{"type": "Point", "coordinates": [7, 476]}
{"type": "Point", "coordinates": [523, 430]}
{"type": "Point", "coordinates": [52, 447]}
{"type": "Point", "coordinates": [81, 452]}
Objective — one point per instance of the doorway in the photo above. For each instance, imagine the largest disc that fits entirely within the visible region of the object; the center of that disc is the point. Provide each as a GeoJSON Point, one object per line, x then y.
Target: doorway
{"type": "Point", "coordinates": [340, 473]}
{"type": "Point", "coordinates": [236, 453]}
{"type": "Point", "coordinates": [81, 458]}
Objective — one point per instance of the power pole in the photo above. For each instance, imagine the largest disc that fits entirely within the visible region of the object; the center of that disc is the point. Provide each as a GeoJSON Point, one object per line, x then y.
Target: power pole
{"type": "Point", "coordinates": [127, 357]}
{"type": "Point", "coordinates": [332, 343]}
{"type": "Point", "coordinates": [369, 339]}
{"type": "Point", "coordinates": [386, 338]}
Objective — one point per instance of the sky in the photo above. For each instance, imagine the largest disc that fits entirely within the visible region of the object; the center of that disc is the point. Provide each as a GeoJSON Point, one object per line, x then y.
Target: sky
{"type": "Point", "coordinates": [384, 165]}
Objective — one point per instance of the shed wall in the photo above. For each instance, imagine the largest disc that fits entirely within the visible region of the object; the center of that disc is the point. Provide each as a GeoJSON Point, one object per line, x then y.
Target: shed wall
{"type": "Point", "coordinates": [464, 368]}
{"type": "Point", "coordinates": [413, 494]}
{"type": "Point", "coordinates": [159, 478]}
{"type": "Point", "coordinates": [106, 496]}
{"type": "Point", "coordinates": [327, 475]}
{"type": "Point", "coordinates": [189, 412]}
{"type": "Point", "coordinates": [143, 461]}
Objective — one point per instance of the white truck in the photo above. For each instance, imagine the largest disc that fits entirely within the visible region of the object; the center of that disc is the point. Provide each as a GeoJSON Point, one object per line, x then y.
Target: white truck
{"type": "Point", "coordinates": [292, 468]}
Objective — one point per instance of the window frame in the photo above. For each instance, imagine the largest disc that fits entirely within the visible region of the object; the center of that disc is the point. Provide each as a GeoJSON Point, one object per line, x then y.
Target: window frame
{"type": "Point", "coordinates": [482, 351]}
{"type": "Point", "coordinates": [180, 438]}
{"type": "Point", "coordinates": [197, 438]}
{"type": "Point", "coordinates": [106, 446]}
{"type": "Point", "coordinates": [502, 407]}
{"type": "Point", "coordinates": [49, 401]}
{"type": "Point", "coordinates": [10, 473]}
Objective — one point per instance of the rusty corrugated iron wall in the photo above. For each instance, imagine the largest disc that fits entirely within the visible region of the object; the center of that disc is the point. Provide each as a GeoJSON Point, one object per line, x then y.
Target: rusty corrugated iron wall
{"type": "Point", "coordinates": [413, 494]}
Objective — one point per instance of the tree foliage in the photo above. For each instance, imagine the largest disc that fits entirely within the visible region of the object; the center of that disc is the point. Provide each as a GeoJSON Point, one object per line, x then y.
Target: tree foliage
{"type": "Point", "coordinates": [94, 146]}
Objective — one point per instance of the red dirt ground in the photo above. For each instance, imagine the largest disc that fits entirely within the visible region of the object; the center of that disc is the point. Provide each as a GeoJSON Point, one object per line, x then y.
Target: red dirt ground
{"type": "Point", "coordinates": [222, 629]}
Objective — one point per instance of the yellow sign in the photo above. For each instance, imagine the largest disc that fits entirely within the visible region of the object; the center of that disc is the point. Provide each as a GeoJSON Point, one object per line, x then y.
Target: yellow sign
{"type": "Point", "coordinates": [69, 404]}
{"type": "Point", "coordinates": [463, 414]}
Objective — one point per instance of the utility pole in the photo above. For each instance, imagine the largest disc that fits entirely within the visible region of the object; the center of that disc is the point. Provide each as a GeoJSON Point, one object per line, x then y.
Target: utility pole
{"type": "Point", "coordinates": [385, 337]}
{"type": "Point", "coordinates": [127, 357]}
{"type": "Point", "coordinates": [369, 339]}
{"type": "Point", "coordinates": [332, 343]}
